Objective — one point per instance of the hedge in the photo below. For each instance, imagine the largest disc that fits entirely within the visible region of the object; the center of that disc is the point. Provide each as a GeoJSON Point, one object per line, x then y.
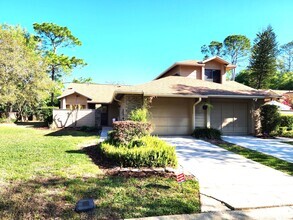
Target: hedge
{"type": "Point", "coordinates": [150, 152]}
{"type": "Point", "coordinates": [286, 121]}
{"type": "Point", "coordinates": [124, 132]}
{"type": "Point", "coordinates": [207, 133]}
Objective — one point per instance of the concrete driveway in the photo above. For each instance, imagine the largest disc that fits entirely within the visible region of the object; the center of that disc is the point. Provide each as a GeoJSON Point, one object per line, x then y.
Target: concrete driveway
{"type": "Point", "coordinates": [232, 179]}
{"type": "Point", "coordinates": [273, 147]}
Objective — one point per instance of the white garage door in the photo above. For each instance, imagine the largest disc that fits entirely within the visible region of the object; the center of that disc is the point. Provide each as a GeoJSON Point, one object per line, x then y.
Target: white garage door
{"type": "Point", "coordinates": [171, 116]}
{"type": "Point", "coordinates": [230, 118]}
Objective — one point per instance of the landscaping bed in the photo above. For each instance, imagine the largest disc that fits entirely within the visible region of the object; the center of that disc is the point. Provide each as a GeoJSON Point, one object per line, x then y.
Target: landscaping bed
{"type": "Point", "coordinates": [44, 174]}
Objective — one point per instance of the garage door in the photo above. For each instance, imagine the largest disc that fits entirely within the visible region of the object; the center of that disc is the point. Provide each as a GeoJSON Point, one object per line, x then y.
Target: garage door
{"type": "Point", "coordinates": [171, 116]}
{"type": "Point", "coordinates": [230, 118]}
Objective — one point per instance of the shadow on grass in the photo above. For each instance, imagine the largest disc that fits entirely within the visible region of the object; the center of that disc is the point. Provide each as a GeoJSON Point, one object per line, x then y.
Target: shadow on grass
{"type": "Point", "coordinates": [115, 198]}
{"type": "Point", "coordinates": [75, 132]}
{"type": "Point", "coordinates": [33, 124]}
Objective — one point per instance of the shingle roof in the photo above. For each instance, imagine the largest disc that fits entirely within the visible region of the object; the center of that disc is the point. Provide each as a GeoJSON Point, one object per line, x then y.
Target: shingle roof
{"type": "Point", "coordinates": [171, 86]}
{"type": "Point", "coordinates": [97, 93]}
{"type": "Point", "coordinates": [190, 87]}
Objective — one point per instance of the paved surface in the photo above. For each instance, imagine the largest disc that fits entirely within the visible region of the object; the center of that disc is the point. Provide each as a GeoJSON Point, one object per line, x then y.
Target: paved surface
{"type": "Point", "coordinates": [280, 213]}
{"type": "Point", "coordinates": [273, 147]}
{"type": "Point", "coordinates": [232, 179]}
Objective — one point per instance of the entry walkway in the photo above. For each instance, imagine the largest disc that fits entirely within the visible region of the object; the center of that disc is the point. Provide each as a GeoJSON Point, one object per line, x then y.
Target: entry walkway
{"type": "Point", "coordinates": [232, 179]}
{"type": "Point", "coordinates": [274, 147]}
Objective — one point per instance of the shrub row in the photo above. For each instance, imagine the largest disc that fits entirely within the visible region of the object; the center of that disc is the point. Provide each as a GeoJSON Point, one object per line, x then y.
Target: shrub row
{"type": "Point", "coordinates": [207, 133]}
{"type": "Point", "coordinates": [150, 152]}
{"type": "Point", "coordinates": [286, 121]}
{"type": "Point", "coordinates": [125, 132]}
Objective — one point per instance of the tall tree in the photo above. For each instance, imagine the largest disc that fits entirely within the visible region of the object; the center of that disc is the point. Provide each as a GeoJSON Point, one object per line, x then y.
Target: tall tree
{"type": "Point", "coordinates": [236, 47]}
{"type": "Point", "coordinates": [263, 60]}
{"type": "Point", "coordinates": [213, 49]}
{"type": "Point", "coordinates": [286, 52]}
{"type": "Point", "coordinates": [54, 37]}
{"type": "Point", "coordinates": [82, 80]}
{"type": "Point", "coordinates": [24, 82]}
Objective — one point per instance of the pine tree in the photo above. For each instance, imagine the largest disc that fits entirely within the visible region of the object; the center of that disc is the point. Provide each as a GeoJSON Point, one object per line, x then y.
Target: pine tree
{"type": "Point", "coordinates": [263, 60]}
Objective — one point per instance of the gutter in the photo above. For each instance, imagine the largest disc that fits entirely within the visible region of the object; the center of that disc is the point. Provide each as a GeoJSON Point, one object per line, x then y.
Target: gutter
{"type": "Point", "coordinates": [193, 112]}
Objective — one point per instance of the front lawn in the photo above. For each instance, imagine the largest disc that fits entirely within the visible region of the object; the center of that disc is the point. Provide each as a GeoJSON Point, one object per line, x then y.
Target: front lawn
{"type": "Point", "coordinates": [44, 174]}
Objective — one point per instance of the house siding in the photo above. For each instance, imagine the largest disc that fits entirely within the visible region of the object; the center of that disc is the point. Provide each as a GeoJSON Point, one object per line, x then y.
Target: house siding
{"type": "Point", "coordinates": [74, 100]}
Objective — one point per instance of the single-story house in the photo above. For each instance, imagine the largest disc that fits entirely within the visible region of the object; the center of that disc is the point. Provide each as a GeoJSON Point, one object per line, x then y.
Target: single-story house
{"type": "Point", "coordinates": [186, 95]}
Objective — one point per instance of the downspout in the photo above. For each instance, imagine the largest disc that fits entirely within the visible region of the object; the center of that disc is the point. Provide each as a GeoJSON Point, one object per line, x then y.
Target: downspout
{"type": "Point", "coordinates": [193, 112]}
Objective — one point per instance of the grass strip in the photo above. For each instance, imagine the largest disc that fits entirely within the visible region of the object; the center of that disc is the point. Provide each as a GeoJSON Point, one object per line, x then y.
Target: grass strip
{"type": "Point", "coordinates": [256, 156]}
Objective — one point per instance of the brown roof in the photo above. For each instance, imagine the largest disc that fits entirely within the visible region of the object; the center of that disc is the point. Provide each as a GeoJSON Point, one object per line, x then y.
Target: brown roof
{"type": "Point", "coordinates": [171, 86]}
{"type": "Point", "coordinates": [178, 86]}
{"type": "Point", "coordinates": [96, 93]}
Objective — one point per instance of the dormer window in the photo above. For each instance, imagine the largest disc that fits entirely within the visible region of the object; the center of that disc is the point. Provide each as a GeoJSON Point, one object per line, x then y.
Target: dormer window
{"type": "Point", "coordinates": [213, 75]}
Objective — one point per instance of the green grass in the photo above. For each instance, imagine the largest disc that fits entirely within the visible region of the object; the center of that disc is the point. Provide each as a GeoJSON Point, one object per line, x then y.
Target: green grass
{"type": "Point", "coordinates": [44, 174]}
{"type": "Point", "coordinates": [259, 157]}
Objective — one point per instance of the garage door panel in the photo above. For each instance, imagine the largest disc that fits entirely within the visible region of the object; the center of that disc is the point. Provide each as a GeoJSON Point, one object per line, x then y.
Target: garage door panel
{"type": "Point", "coordinates": [227, 117]}
{"type": "Point", "coordinates": [216, 116]}
{"type": "Point", "coordinates": [231, 118]}
{"type": "Point", "coordinates": [171, 116]}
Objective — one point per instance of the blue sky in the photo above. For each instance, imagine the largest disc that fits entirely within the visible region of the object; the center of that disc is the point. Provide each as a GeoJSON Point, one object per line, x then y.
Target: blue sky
{"type": "Point", "coordinates": [132, 41]}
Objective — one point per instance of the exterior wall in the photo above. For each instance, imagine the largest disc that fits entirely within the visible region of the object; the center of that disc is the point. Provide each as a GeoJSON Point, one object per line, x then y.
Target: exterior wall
{"type": "Point", "coordinates": [191, 71]}
{"type": "Point", "coordinates": [75, 99]}
{"type": "Point", "coordinates": [129, 103]}
{"type": "Point", "coordinates": [171, 116]}
{"type": "Point", "coordinates": [76, 118]}
{"type": "Point", "coordinates": [200, 116]}
{"type": "Point", "coordinates": [217, 66]}
{"type": "Point", "coordinates": [172, 71]}
{"type": "Point", "coordinates": [113, 112]}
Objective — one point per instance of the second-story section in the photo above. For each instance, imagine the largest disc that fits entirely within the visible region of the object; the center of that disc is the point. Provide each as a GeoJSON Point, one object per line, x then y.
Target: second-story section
{"type": "Point", "coordinates": [213, 69]}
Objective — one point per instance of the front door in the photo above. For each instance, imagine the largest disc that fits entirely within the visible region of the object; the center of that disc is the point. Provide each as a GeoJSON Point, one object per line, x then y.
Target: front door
{"type": "Point", "coordinates": [104, 115]}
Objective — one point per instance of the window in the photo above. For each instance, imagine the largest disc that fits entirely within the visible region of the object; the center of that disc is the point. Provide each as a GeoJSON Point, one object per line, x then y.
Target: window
{"type": "Point", "coordinates": [213, 75]}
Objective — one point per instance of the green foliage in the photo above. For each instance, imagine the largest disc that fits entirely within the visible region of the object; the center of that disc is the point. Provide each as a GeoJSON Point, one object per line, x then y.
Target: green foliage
{"type": "Point", "coordinates": [269, 118]}
{"type": "Point", "coordinates": [24, 82]}
{"type": "Point", "coordinates": [124, 132]}
{"type": "Point", "coordinates": [263, 60]}
{"type": "Point", "coordinates": [82, 80]}
{"type": "Point", "coordinates": [150, 152]}
{"type": "Point", "coordinates": [140, 114]}
{"type": "Point", "coordinates": [236, 47]}
{"type": "Point", "coordinates": [286, 51]}
{"type": "Point", "coordinates": [286, 121]}
{"type": "Point", "coordinates": [213, 49]}
{"type": "Point", "coordinates": [207, 133]}
{"type": "Point", "coordinates": [46, 114]}
{"type": "Point", "coordinates": [53, 37]}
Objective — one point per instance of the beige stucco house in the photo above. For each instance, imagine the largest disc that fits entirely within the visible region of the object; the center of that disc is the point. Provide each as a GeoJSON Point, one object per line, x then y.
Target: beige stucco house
{"type": "Point", "coordinates": [188, 94]}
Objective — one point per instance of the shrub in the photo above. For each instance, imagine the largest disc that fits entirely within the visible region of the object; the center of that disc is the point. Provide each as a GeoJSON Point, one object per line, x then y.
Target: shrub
{"type": "Point", "coordinates": [286, 121]}
{"type": "Point", "coordinates": [125, 132]}
{"type": "Point", "coordinates": [151, 152]}
{"type": "Point", "coordinates": [207, 133]}
{"type": "Point", "coordinates": [269, 118]}
{"type": "Point", "coordinates": [47, 114]}
{"type": "Point", "coordinates": [284, 132]}
{"type": "Point", "coordinates": [140, 114]}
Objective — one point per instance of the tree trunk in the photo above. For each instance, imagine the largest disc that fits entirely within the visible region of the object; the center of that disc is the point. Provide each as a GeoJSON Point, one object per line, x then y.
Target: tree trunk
{"type": "Point", "coordinates": [53, 78]}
